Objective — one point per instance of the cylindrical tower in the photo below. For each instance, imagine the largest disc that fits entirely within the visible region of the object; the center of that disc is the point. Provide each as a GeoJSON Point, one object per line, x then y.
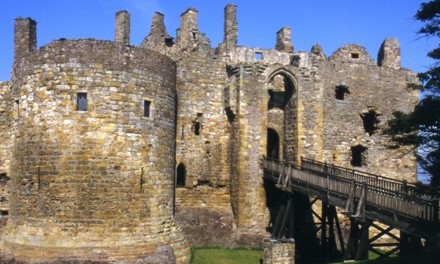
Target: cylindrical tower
{"type": "Point", "coordinates": [93, 154]}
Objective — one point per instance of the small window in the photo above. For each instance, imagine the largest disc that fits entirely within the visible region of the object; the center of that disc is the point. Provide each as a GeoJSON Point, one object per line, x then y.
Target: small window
{"type": "Point", "coordinates": [17, 109]}
{"type": "Point", "coordinates": [370, 121]}
{"type": "Point", "coordinates": [341, 91]}
{"type": "Point", "coordinates": [81, 101]}
{"type": "Point", "coordinates": [147, 108]}
{"type": "Point", "coordinates": [180, 175]}
{"type": "Point", "coordinates": [258, 56]}
{"type": "Point", "coordinates": [358, 154]}
{"type": "Point", "coordinates": [197, 124]}
{"type": "Point", "coordinates": [355, 55]}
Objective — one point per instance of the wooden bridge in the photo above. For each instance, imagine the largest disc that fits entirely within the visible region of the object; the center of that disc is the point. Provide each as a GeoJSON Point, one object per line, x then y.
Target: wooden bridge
{"type": "Point", "coordinates": [366, 199]}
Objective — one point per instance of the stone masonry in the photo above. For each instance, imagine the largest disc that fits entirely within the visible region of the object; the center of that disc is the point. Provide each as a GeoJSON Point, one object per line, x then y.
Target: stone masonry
{"type": "Point", "coordinates": [117, 152]}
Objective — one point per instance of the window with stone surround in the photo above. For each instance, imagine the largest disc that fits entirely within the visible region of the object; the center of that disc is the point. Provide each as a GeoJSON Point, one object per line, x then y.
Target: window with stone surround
{"type": "Point", "coordinates": [81, 101]}
{"type": "Point", "coordinates": [147, 108]}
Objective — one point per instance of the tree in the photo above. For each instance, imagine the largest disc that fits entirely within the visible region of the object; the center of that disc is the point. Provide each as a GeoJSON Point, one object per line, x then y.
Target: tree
{"type": "Point", "coordinates": [421, 128]}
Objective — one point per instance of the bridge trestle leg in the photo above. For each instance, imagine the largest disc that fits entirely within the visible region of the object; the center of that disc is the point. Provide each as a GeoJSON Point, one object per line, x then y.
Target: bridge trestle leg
{"type": "Point", "coordinates": [284, 223]}
{"type": "Point", "coordinates": [358, 243]}
{"type": "Point", "coordinates": [329, 218]}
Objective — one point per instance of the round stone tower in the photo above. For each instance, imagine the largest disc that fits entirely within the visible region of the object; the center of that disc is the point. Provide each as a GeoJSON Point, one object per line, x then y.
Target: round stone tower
{"type": "Point", "coordinates": [93, 158]}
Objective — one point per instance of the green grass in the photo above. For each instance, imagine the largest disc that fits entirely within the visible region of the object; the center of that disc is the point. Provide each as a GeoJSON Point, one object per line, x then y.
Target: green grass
{"type": "Point", "coordinates": [245, 256]}
{"type": "Point", "coordinates": [225, 256]}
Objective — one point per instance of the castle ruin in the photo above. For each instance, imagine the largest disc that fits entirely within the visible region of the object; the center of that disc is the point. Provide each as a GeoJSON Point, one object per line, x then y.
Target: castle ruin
{"type": "Point", "coordinates": [118, 152]}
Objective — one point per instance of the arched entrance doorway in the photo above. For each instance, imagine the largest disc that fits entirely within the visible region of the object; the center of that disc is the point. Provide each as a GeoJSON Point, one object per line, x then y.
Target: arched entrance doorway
{"type": "Point", "coordinates": [281, 131]}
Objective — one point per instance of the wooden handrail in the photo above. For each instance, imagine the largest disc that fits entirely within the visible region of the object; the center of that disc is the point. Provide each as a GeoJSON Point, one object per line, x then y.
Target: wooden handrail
{"type": "Point", "coordinates": [383, 193]}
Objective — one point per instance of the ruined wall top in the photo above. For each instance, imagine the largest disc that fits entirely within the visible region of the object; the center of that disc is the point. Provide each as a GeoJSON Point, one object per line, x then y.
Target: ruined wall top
{"type": "Point", "coordinates": [90, 51]}
{"type": "Point", "coordinates": [231, 26]}
{"type": "Point", "coordinates": [389, 53]}
{"type": "Point", "coordinates": [352, 53]}
{"type": "Point", "coordinates": [284, 40]}
{"type": "Point", "coordinates": [122, 27]}
{"type": "Point", "coordinates": [25, 37]}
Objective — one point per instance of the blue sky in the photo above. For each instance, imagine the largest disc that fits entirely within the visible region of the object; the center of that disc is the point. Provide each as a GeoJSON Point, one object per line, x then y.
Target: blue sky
{"type": "Point", "coordinates": [331, 23]}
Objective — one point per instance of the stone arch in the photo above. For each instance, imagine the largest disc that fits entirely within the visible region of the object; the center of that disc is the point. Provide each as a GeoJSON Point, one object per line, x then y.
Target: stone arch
{"type": "Point", "coordinates": [180, 175]}
{"type": "Point", "coordinates": [282, 111]}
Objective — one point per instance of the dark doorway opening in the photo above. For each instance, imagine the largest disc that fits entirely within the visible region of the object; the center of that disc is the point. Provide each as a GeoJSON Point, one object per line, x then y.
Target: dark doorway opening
{"type": "Point", "coordinates": [273, 144]}
{"type": "Point", "coordinates": [358, 156]}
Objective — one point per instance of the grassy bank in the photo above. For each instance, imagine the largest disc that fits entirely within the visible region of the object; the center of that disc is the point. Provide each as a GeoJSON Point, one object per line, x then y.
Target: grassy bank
{"type": "Point", "coordinates": [225, 256]}
{"type": "Point", "coordinates": [244, 256]}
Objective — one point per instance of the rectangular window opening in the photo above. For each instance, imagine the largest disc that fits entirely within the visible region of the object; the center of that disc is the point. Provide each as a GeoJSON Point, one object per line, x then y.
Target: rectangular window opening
{"type": "Point", "coordinates": [258, 56]}
{"type": "Point", "coordinates": [81, 101]}
{"type": "Point", "coordinates": [355, 55]}
{"type": "Point", "coordinates": [147, 108]}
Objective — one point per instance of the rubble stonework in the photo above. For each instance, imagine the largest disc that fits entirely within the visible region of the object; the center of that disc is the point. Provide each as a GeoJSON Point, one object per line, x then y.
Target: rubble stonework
{"type": "Point", "coordinates": [176, 126]}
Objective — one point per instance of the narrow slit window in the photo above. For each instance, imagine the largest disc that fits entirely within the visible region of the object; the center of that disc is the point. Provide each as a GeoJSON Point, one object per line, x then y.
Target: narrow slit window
{"type": "Point", "coordinates": [17, 108]}
{"type": "Point", "coordinates": [147, 108]}
{"type": "Point", "coordinates": [81, 101]}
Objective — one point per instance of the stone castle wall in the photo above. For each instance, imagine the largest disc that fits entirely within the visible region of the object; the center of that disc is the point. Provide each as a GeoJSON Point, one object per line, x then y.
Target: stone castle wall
{"type": "Point", "coordinates": [99, 179]}
{"type": "Point", "coordinates": [5, 138]}
{"type": "Point", "coordinates": [374, 92]}
{"type": "Point", "coordinates": [214, 113]}
{"type": "Point", "coordinates": [5, 145]}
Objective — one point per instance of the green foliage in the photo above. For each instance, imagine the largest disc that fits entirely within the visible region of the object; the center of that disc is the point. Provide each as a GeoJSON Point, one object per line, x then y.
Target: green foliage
{"type": "Point", "coordinates": [421, 128]}
{"type": "Point", "coordinates": [225, 256]}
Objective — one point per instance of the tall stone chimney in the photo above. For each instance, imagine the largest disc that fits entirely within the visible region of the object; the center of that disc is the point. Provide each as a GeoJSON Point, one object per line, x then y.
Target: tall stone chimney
{"type": "Point", "coordinates": [389, 53]}
{"type": "Point", "coordinates": [284, 40]}
{"type": "Point", "coordinates": [231, 27]}
{"type": "Point", "coordinates": [188, 31]}
{"type": "Point", "coordinates": [122, 27]}
{"type": "Point", "coordinates": [25, 37]}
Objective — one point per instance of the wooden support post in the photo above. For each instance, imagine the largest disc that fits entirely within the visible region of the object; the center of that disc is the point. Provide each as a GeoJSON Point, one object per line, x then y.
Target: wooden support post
{"type": "Point", "coordinates": [277, 224]}
{"type": "Point", "coordinates": [364, 245]}
{"type": "Point", "coordinates": [358, 243]}
{"type": "Point", "coordinates": [350, 251]}
{"type": "Point", "coordinates": [349, 204]}
{"type": "Point", "coordinates": [410, 244]}
{"type": "Point", "coordinates": [324, 231]}
{"type": "Point", "coordinates": [284, 225]}
{"type": "Point", "coordinates": [338, 229]}
{"type": "Point", "coordinates": [331, 230]}
{"type": "Point", "coordinates": [291, 223]}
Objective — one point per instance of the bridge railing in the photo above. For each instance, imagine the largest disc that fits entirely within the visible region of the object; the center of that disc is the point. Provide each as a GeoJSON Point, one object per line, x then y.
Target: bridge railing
{"type": "Point", "coordinates": [384, 194]}
{"type": "Point", "coordinates": [379, 181]}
